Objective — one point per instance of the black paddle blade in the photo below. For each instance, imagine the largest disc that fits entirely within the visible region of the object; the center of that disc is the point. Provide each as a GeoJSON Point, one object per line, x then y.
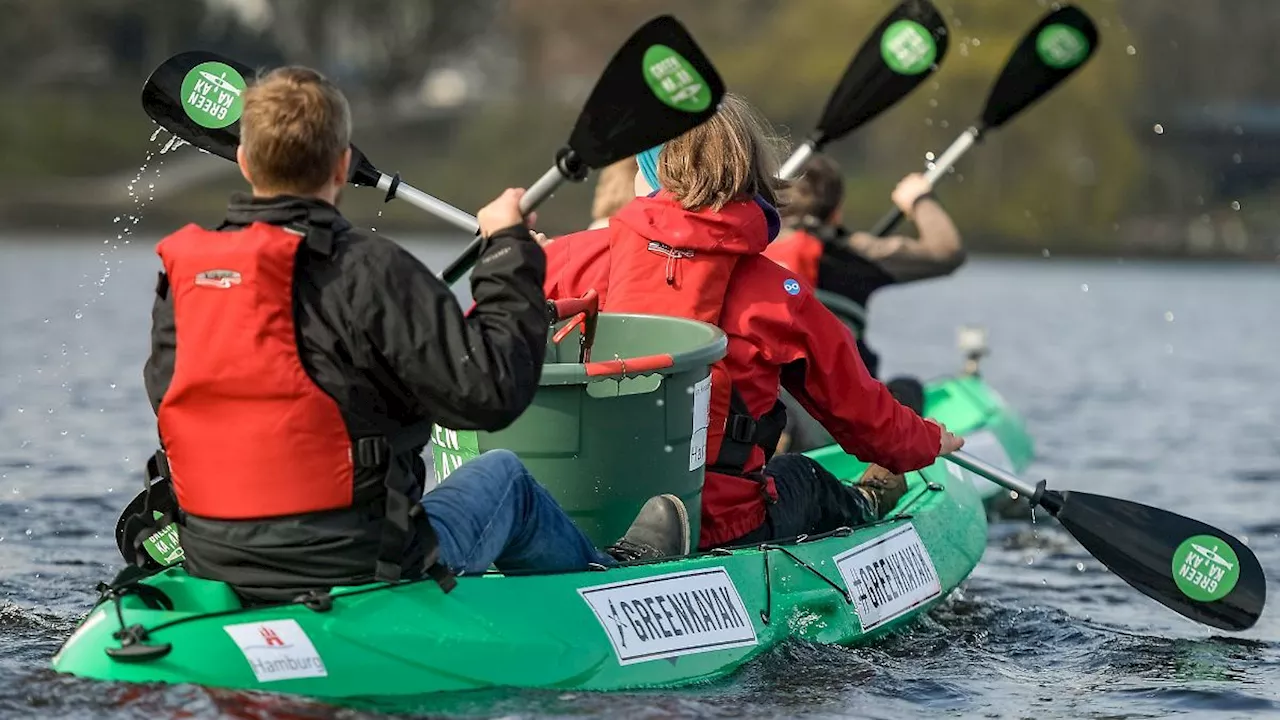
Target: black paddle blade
{"type": "Point", "coordinates": [906, 47]}
{"type": "Point", "coordinates": [1192, 568]}
{"type": "Point", "coordinates": [1057, 46]}
{"type": "Point", "coordinates": [657, 86]}
{"type": "Point", "coordinates": [198, 95]}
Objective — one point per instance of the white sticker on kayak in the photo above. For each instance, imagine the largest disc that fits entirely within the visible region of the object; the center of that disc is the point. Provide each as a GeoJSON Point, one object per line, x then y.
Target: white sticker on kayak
{"type": "Point", "coordinates": [670, 615]}
{"type": "Point", "coordinates": [701, 420]}
{"type": "Point", "coordinates": [277, 650]}
{"type": "Point", "coordinates": [889, 576]}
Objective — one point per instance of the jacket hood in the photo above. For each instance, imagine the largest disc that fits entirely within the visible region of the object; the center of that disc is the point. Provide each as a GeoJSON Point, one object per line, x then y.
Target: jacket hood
{"type": "Point", "coordinates": [739, 228]}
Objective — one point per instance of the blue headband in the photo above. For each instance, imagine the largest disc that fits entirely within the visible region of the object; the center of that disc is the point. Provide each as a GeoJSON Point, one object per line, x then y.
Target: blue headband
{"type": "Point", "coordinates": [648, 162]}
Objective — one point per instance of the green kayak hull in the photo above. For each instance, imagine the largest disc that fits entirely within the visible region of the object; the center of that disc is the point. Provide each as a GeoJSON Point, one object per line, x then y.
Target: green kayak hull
{"type": "Point", "coordinates": [650, 625]}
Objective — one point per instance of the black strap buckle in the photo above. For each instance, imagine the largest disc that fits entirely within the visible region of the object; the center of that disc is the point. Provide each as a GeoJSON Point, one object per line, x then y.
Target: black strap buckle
{"type": "Point", "coordinates": [372, 452]}
{"type": "Point", "coordinates": [741, 428]}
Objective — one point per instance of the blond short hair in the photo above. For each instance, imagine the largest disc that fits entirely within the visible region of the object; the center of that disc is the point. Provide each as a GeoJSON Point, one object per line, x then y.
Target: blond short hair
{"type": "Point", "coordinates": [615, 187]}
{"type": "Point", "coordinates": [294, 128]}
{"type": "Point", "coordinates": [731, 156]}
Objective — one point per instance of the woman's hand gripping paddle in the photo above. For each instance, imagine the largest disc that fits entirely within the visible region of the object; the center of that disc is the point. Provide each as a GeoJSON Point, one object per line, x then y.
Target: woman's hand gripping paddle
{"type": "Point", "coordinates": [906, 47]}
{"type": "Point", "coordinates": [198, 97]}
{"type": "Point", "coordinates": [1058, 45]}
{"type": "Point", "coordinates": [1192, 568]}
{"type": "Point", "coordinates": [657, 86]}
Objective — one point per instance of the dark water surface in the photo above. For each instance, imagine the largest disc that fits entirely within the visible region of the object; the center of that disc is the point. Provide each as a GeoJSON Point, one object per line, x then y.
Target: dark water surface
{"type": "Point", "coordinates": [1152, 382]}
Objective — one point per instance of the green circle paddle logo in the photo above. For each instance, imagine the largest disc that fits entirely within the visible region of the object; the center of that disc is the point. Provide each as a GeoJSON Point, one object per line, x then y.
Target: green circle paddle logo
{"type": "Point", "coordinates": [907, 47]}
{"type": "Point", "coordinates": [674, 80]}
{"type": "Point", "coordinates": [1205, 568]}
{"type": "Point", "coordinates": [212, 94]}
{"type": "Point", "coordinates": [1061, 46]}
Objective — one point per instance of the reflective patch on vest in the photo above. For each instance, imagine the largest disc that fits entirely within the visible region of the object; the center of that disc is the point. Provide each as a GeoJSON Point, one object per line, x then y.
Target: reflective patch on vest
{"type": "Point", "coordinates": [666, 616]}
{"type": "Point", "coordinates": [792, 286]}
{"type": "Point", "coordinates": [701, 421]}
{"type": "Point", "coordinates": [221, 279]}
{"type": "Point", "coordinates": [277, 650]}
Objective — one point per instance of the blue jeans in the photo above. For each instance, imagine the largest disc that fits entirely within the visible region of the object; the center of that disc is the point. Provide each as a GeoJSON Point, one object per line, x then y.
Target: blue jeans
{"type": "Point", "coordinates": [491, 511]}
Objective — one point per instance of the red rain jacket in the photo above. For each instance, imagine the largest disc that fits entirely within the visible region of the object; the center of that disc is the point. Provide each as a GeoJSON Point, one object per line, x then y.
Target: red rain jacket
{"type": "Point", "coordinates": [656, 257]}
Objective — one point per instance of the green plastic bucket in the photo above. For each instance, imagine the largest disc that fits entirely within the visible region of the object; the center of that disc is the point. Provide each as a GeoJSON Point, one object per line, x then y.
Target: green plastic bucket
{"type": "Point", "coordinates": [606, 436]}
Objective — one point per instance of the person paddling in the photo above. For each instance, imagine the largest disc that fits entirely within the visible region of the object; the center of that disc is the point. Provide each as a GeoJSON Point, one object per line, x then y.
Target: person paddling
{"type": "Point", "coordinates": [297, 366]}
{"type": "Point", "coordinates": [855, 265]}
{"type": "Point", "coordinates": [692, 247]}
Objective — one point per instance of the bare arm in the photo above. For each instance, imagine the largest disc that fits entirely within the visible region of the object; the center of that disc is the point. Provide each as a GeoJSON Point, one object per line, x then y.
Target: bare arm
{"type": "Point", "coordinates": [937, 252]}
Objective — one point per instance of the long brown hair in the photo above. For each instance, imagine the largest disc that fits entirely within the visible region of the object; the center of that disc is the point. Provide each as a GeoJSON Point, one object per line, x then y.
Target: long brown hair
{"type": "Point", "coordinates": [732, 156]}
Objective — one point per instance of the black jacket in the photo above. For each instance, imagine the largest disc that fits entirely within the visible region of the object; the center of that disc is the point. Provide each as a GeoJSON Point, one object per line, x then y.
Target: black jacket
{"type": "Point", "coordinates": [389, 342]}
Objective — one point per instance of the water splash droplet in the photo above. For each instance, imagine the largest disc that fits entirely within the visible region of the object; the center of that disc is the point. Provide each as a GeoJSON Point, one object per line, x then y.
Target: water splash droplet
{"type": "Point", "coordinates": [1159, 129]}
{"type": "Point", "coordinates": [1235, 204]}
{"type": "Point", "coordinates": [1131, 50]}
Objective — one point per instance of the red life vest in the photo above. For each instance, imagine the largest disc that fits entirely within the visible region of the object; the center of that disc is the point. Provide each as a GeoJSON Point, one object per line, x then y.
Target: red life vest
{"type": "Point", "coordinates": [799, 252]}
{"type": "Point", "coordinates": [247, 433]}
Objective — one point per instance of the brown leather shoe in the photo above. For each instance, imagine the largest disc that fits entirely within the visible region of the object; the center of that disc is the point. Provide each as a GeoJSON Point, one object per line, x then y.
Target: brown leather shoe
{"type": "Point", "coordinates": [882, 488]}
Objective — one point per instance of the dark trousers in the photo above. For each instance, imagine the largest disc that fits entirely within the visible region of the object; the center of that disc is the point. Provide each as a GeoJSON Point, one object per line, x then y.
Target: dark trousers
{"type": "Point", "coordinates": [810, 500]}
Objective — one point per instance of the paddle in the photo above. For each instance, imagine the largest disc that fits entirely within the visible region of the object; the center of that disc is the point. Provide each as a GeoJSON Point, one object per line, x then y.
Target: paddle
{"type": "Point", "coordinates": [196, 96]}
{"type": "Point", "coordinates": [906, 47]}
{"type": "Point", "coordinates": [657, 86]}
{"type": "Point", "coordinates": [1059, 44]}
{"type": "Point", "coordinates": [1192, 568]}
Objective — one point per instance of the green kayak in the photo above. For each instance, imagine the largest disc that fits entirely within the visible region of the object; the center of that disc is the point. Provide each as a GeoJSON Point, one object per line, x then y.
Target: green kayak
{"type": "Point", "coordinates": [647, 625]}
{"type": "Point", "coordinates": [644, 395]}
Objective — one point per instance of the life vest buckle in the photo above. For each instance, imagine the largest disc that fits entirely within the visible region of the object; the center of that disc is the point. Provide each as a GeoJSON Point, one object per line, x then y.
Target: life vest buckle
{"type": "Point", "coordinates": [372, 452]}
{"type": "Point", "coordinates": [741, 428]}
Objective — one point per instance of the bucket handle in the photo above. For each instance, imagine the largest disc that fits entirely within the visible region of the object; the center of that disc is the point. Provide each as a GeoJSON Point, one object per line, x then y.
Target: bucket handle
{"type": "Point", "coordinates": [625, 366]}
{"type": "Point", "coordinates": [583, 312]}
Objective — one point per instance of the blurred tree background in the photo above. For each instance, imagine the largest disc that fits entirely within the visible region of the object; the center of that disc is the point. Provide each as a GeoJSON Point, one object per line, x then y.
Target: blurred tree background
{"type": "Point", "coordinates": [1168, 142]}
